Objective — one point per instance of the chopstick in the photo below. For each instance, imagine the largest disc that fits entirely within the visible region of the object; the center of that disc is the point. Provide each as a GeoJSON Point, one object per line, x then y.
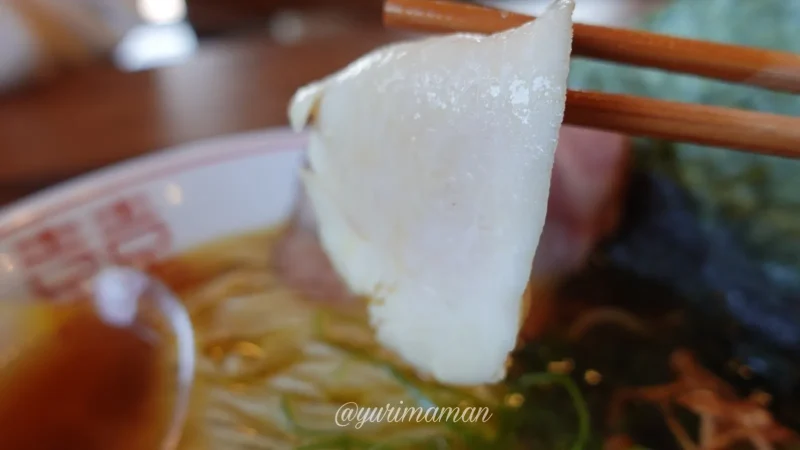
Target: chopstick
{"type": "Point", "coordinates": [750, 131]}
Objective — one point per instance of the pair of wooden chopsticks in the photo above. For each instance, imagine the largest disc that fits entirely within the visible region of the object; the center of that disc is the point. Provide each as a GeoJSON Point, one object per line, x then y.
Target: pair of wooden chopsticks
{"type": "Point", "coordinates": [750, 131]}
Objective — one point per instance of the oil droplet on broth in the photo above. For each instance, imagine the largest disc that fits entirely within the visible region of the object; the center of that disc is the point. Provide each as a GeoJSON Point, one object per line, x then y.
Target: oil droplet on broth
{"type": "Point", "coordinates": [515, 400]}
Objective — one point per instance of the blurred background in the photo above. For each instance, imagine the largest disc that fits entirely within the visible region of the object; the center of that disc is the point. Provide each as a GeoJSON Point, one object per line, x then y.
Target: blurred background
{"type": "Point", "coordinates": [87, 83]}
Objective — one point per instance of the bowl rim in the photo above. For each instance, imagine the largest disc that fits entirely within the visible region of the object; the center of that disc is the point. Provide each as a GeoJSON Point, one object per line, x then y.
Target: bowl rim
{"type": "Point", "coordinates": [69, 194]}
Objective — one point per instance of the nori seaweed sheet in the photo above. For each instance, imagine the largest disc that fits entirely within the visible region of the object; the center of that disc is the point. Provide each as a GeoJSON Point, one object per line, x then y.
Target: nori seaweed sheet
{"type": "Point", "coordinates": [695, 288]}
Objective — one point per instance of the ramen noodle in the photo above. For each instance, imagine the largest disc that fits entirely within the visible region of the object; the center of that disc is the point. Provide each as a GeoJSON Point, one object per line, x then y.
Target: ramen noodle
{"type": "Point", "coordinates": [278, 366]}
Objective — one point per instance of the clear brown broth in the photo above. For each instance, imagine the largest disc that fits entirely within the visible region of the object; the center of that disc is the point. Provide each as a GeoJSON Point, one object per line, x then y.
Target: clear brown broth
{"type": "Point", "coordinates": [89, 386]}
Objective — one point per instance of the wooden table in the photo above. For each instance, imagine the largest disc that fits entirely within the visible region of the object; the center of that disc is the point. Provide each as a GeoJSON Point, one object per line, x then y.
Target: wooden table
{"type": "Point", "coordinates": [98, 115]}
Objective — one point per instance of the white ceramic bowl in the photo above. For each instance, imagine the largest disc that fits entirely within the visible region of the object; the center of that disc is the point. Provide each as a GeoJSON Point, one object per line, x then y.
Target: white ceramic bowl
{"type": "Point", "coordinates": [145, 209]}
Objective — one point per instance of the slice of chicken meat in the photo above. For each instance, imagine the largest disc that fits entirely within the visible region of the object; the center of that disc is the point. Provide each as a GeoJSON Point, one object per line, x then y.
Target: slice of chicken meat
{"type": "Point", "coordinates": [586, 194]}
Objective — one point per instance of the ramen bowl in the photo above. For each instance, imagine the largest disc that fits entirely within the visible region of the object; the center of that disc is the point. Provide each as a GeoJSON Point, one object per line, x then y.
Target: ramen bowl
{"type": "Point", "coordinates": [81, 240]}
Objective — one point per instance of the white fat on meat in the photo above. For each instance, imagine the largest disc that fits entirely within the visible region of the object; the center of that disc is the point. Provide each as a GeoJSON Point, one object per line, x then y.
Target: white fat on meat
{"type": "Point", "coordinates": [429, 168]}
